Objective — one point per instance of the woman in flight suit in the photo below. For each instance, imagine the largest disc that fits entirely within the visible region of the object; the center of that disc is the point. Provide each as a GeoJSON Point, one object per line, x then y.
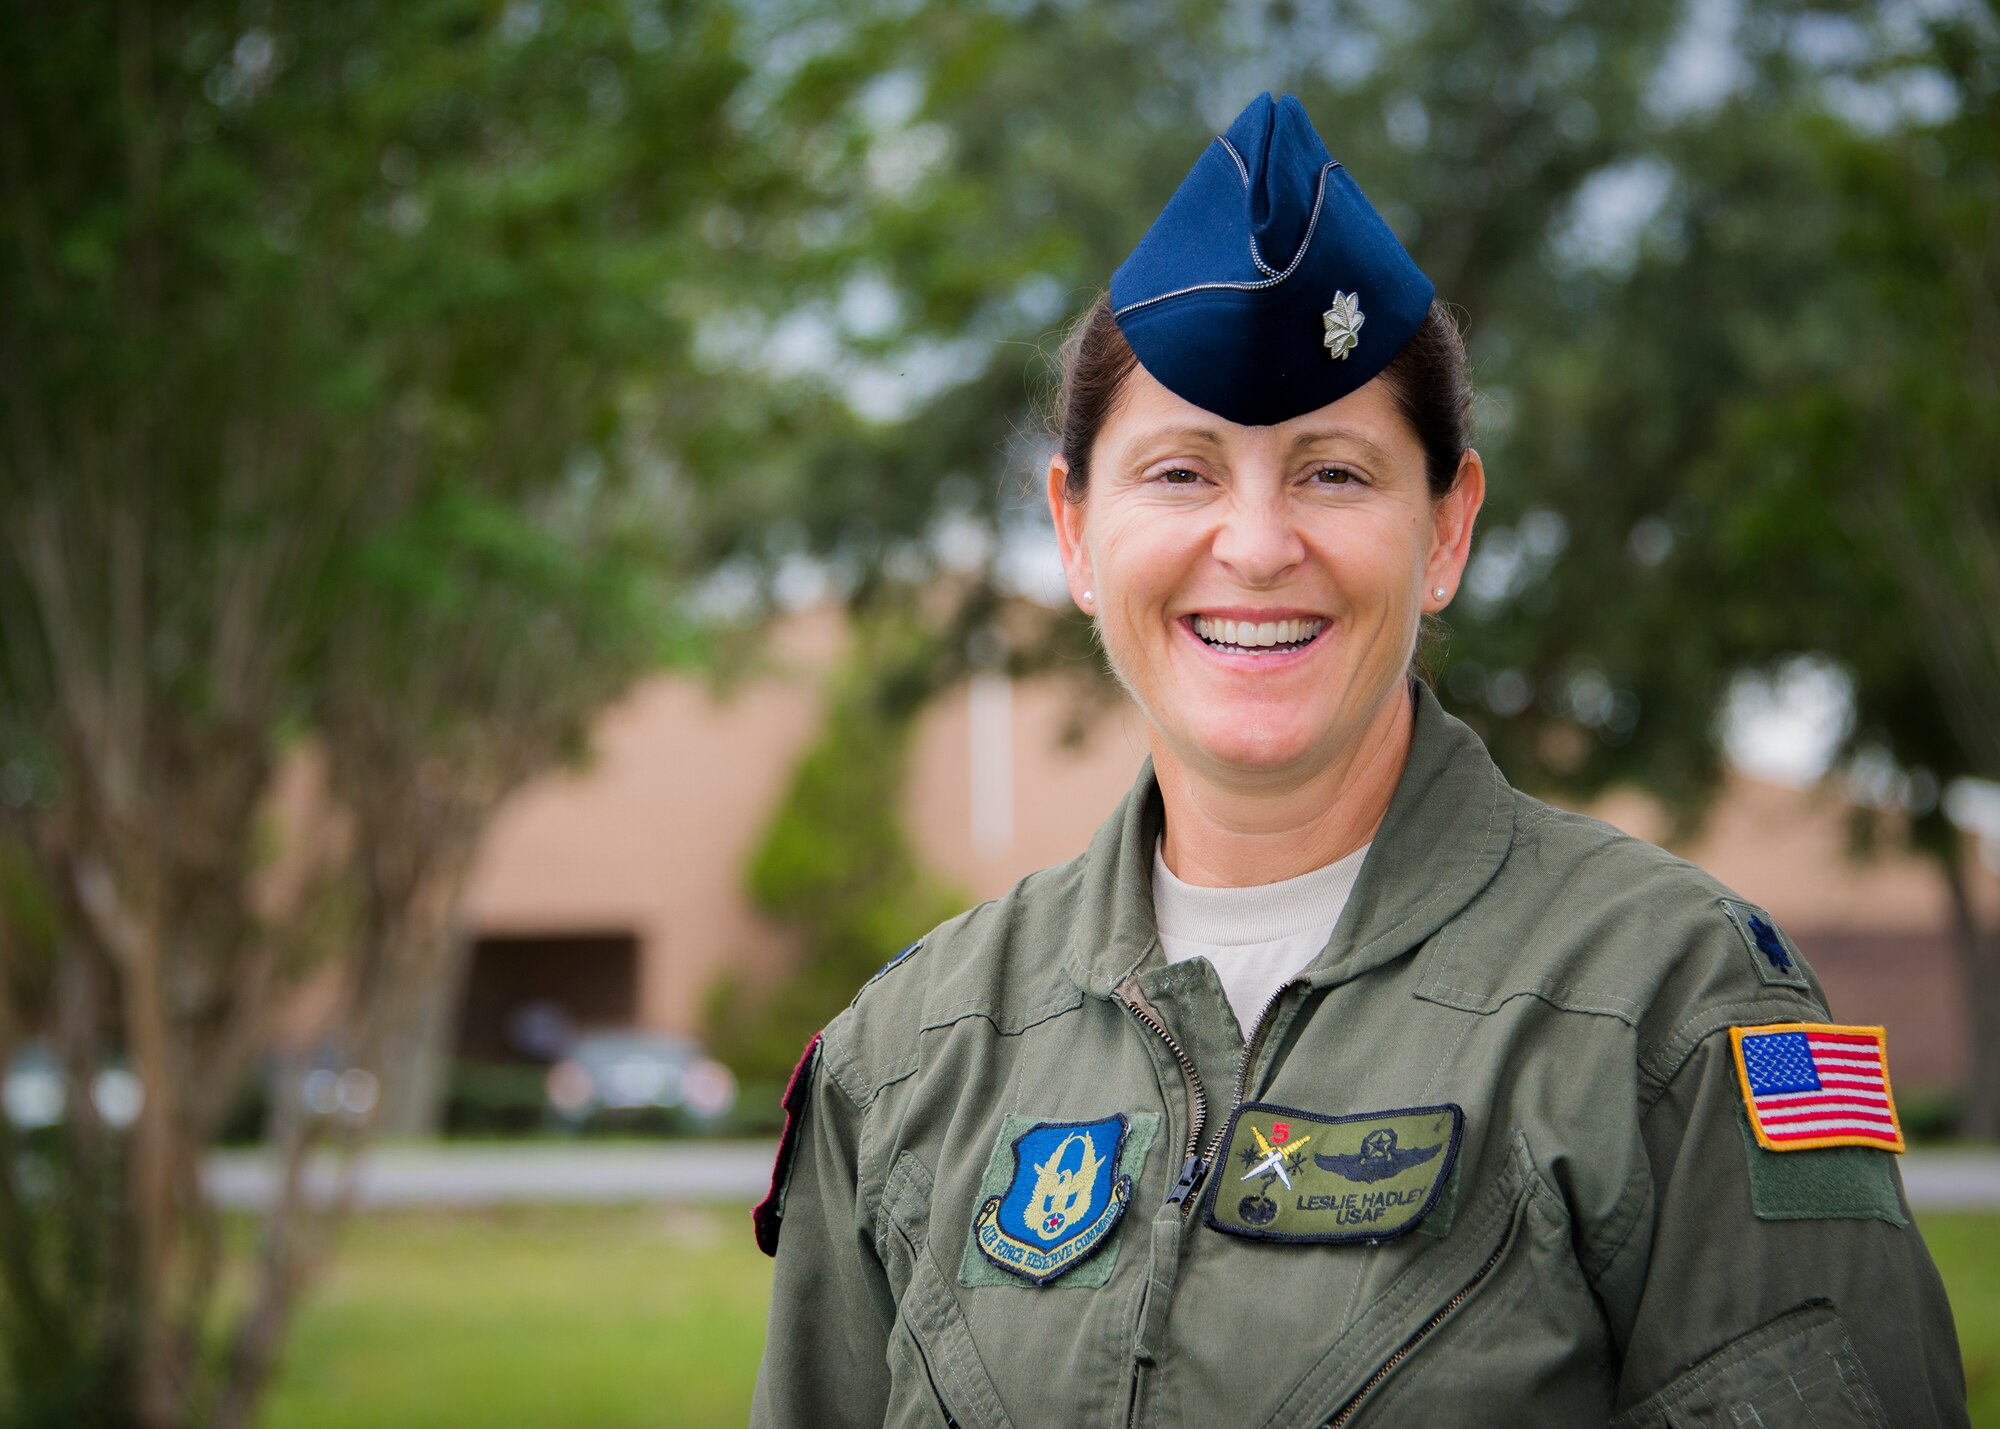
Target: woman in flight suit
{"type": "Point", "coordinates": [1337, 1081]}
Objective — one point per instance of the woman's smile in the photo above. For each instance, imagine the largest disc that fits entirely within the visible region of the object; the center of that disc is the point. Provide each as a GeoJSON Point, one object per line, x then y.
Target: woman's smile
{"type": "Point", "coordinates": [1262, 636]}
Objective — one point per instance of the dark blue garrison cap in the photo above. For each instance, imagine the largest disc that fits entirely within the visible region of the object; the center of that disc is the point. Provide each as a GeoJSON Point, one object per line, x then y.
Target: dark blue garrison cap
{"type": "Point", "coordinates": [1268, 286]}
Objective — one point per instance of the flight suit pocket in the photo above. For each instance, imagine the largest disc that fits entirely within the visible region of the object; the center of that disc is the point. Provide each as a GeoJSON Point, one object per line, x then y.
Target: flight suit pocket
{"type": "Point", "coordinates": [936, 1376]}
{"type": "Point", "coordinates": [1435, 1288]}
{"type": "Point", "coordinates": [1798, 1370]}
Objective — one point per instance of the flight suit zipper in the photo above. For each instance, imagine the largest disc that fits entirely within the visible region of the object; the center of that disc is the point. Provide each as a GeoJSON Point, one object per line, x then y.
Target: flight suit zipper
{"type": "Point", "coordinates": [1191, 1165]}
{"type": "Point", "coordinates": [1408, 1347]}
{"type": "Point", "coordinates": [1243, 1063]}
{"type": "Point", "coordinates": [1197, 1158]}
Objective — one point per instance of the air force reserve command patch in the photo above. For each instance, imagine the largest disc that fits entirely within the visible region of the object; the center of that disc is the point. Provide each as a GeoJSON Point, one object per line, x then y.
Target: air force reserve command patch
{"type": "Point", "coordinates": [1812, 1084]}
{"type": "Point", "coordinates": [1066, 1185]}
{"type": "Point", "coordinates": [1290, 1175]}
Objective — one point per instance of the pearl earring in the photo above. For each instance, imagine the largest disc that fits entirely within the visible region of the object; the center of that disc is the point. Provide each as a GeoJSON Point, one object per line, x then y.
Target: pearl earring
{"type": "Point", "coordinates": [1438, 593]}
{"type": "Point", "coordinates": [1086, 597]}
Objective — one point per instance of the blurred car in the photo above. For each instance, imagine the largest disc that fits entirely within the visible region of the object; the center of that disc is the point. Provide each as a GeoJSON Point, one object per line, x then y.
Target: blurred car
{"type": "Point", "coordinates": [35, 1091]}
{"type": "Point", "coordinates": [636, 1075]}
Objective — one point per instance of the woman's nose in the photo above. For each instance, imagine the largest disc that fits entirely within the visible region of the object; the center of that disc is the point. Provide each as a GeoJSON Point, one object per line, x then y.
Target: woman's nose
{"type": "Point", "coordinates": [1258, 541]}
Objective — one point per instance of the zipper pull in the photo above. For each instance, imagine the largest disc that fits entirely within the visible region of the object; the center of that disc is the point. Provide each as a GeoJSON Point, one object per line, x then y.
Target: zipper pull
{"type": "Point", "coordinates": [1192, 1171]}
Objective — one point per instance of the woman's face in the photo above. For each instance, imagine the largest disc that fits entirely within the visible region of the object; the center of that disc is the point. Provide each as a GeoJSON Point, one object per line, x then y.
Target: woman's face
{"type": "Point", "coordinates": [1259, 589]}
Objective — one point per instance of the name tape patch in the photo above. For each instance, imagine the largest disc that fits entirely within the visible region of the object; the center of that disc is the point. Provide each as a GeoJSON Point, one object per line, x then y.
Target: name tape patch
{"type": "Point", "coordinates": [1290, 1175]}
{"type": "Point", "coordinates": [1812, 1084]}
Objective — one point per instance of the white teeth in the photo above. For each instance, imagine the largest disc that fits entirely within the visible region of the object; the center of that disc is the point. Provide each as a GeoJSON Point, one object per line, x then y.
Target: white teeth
{"type": "Point", "coordinates": [1250, 634]}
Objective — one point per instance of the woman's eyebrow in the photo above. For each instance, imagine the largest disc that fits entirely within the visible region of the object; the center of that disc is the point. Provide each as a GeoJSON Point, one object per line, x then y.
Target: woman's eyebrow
{"type": "Point", "coordinates": [1338, 434]}
{"type": "Point", "coordinates": [1167, 438]}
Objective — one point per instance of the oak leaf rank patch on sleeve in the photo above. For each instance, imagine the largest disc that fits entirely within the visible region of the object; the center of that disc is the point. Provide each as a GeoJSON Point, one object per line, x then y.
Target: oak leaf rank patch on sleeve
{"type": "Point", "coordinates": [1814, 1084]}
{"type": "Point", "coordinates": [1773, 955]}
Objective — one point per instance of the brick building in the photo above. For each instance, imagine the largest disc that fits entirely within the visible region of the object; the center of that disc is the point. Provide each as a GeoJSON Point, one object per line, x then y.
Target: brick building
{"type": "Point", "coordinates": [617, 892]}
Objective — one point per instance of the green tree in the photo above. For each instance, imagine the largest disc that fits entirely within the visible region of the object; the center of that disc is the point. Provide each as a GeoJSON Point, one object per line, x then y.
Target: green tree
{"type": "Point", "coordinates": [1770, 434]}
{"type": "Point", "coordinates": [348, 404]}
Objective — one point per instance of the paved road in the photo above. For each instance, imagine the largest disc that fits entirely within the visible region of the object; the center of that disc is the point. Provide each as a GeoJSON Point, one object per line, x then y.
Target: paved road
{"type": "Point", "coordinates": [740, 1171]}
{"type": "Point", "coordinates": [489, 1175]}
{"type": "Point", "coordinates": [1952, 1180]}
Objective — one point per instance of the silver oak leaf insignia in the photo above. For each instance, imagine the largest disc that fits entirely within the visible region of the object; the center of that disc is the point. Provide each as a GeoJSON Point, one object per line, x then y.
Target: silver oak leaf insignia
{"type": "Point", "coordinates": [1343, 325]}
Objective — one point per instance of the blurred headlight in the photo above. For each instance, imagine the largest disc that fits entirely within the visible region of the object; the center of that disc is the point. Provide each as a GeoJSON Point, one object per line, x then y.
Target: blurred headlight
{"type": "Point", "coordinates": [570, 1088]}
{"type": "Point", "coordinates": [710, 1088]}
{"type": "Point", "coordinates": [35, 1098]}
{"type": "Point", "coordinates": [357, 1091]}
{"type": "Point", "coordinates": [118, 1095]}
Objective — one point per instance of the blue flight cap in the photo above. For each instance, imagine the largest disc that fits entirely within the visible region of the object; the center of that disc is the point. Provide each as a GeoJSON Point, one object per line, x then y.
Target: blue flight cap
{"type": "Point", "coordinates": [1268, 286]}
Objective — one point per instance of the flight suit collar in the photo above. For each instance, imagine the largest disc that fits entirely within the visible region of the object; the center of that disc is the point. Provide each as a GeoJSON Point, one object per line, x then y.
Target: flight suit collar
{"type": "Point", "coordinates": [1447, 831]}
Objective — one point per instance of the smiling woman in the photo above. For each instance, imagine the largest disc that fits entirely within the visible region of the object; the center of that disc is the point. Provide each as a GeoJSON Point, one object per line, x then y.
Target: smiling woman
{"type": "Point", "coordinates": [1529, 1123]}
{"type": "Point", "coordinates": [1258, 591]}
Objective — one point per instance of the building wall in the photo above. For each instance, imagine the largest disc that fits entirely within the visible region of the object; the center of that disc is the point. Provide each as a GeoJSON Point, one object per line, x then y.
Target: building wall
{"type": "Point", "coordinates": [651, 840]}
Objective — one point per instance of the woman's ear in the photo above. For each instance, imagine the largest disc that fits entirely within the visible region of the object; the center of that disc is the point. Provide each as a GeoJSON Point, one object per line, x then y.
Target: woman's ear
{"type": "Point", "coordinates": [1068, 518]}
{"type": "Point", "coordinates": [1451, 530]}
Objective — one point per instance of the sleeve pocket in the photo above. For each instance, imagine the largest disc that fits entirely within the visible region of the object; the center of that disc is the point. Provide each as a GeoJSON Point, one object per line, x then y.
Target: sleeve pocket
{"type": "Point", "coordinates": [1797, 1370]}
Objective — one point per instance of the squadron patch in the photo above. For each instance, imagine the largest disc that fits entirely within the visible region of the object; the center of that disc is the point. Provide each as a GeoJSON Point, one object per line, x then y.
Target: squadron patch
{"type": "Point", "coordinates": [1066, 1184]}
{"type": "Point", "coordinates": [1290, 1175]}
{"type": "Point", "coordinates": [1812, 1084]}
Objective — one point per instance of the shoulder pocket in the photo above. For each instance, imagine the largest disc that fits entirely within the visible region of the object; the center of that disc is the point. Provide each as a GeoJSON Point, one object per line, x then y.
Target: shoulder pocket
{"type": "Point", "coordinates": [1799, 1371]}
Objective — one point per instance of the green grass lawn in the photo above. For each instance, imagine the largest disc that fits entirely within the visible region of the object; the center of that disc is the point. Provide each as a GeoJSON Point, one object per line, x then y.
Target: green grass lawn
{"type": "Point", "coordinates": [569, 1318]}
{"type": "Point", "coordinates": [566, 1318]}
{"type": "Point", "coordinates": [1967, 1251]}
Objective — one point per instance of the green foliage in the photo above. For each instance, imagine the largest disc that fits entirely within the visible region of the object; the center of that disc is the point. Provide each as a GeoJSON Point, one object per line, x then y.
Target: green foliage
{"type": "Point", "coordinates": [348, 397]}
{"type": "Point", "coordinates": [495, 1099]}
{"type": "Point", "coordinates": [30, 932]}
{"type": "Point", "coordinates": [1763, 434]}
{"type": "Point", "coordinates": [835, 865]}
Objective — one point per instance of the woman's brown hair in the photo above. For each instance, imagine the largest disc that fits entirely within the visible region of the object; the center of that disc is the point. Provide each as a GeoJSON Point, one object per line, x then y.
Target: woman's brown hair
{"type": "Point", "coordinates": [1428, 380]}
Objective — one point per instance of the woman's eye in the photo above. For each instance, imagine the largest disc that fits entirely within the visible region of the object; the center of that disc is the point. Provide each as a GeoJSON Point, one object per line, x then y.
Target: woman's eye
{"type": "Point", "coordinates": [1179, 476]}
{"type": "Point", "coordinates": [1336, 476]}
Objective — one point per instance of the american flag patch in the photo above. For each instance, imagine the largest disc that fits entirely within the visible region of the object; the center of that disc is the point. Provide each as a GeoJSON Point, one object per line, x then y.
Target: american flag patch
{"type": "Point", "coordinates": [1808, 1084]}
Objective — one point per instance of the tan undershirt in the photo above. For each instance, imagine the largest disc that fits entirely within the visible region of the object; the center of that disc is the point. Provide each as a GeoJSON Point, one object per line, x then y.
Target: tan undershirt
{"type": "Point", "coordinates": [1257, 938]}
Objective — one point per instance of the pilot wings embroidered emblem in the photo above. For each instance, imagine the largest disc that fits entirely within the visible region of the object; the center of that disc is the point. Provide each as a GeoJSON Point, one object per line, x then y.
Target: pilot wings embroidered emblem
{"type": "Point", "coordinates": [1378, 1159]}
{"type": "Point", "coordinates": [1367, 1177]}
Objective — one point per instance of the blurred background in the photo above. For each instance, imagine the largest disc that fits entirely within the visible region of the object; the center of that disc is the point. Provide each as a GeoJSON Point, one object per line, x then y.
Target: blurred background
{"type": "Point", "coordinates": [523, 580]}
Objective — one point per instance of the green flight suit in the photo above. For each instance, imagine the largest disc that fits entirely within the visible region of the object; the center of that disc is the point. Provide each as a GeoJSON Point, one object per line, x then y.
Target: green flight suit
{"type": "Point", "coordinates": [1611, 1246]}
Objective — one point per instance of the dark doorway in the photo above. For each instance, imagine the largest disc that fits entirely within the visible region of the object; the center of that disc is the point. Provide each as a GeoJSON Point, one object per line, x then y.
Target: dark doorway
{"type": "Point", "coordinates": [525, 995]}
